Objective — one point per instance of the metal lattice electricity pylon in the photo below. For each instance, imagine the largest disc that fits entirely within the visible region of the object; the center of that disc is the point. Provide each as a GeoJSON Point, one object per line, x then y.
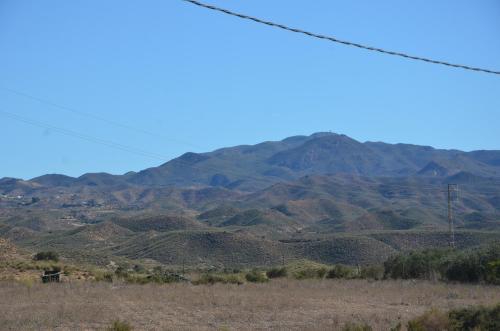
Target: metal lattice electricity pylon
{"type": "Point", "coordinates": [451, 189]}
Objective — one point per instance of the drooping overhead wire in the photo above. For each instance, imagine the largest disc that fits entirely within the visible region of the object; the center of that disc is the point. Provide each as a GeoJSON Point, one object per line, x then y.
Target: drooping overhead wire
{"type": "Point", "coordinates": [340, 41]}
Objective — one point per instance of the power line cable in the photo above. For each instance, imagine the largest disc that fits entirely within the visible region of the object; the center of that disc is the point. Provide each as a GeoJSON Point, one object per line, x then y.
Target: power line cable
{"type": "Point", "coordinates": [95, 117]}
{"type": "Point", "coordinates": [336, 40]}
{"type": "Point", "coordinates": [122, 147]}
{"type": "Point", "coordinates": [83, 136]}
{"type": "Point", "coordinates": [375, 187]}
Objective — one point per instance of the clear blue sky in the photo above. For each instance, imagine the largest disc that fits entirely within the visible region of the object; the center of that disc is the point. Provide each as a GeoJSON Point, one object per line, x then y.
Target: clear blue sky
{"type": "Point", "coordinates": [203, 80]}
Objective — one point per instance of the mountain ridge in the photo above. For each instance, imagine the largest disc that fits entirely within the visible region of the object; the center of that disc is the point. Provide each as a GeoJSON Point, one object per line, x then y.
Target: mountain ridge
{"type": "Point", "coordinates": [325, 197]}
{"type": "Point", "coordinates": [253, 167]}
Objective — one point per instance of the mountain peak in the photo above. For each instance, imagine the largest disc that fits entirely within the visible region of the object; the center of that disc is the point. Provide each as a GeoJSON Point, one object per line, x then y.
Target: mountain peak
{"type": "Point", "coordinates": [324, 134]}
{"type": "Point", "coordinates": [54, 180]}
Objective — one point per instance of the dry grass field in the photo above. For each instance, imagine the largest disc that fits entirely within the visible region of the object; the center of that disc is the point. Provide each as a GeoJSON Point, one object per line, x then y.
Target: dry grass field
{"type": "Point", "coordinates": [278, 305]}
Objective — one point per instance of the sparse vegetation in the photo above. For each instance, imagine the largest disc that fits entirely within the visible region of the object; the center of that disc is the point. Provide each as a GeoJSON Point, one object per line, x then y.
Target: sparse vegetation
{"type": "Point", "coordinates": [256, 276]}
{"type": "Point", "coordinates": [470, 318]}
{"type": "Point", "coordinates": [141, 275]}
{"type": "Point", "coordinates": [212, 278]}
{"type": "Point", "coordinates": [305, 269]}
{"type": "Point", "coordinates": [433, 320]}
{"type": "Point", "coordinates": [340, 271]}
{"type": "Point", "coordinates": [475, 318]}
{"type": "Point", "coordinates": [372, 272]}
{"type": "Point", "coordinates": [350, 326]}
{"type": "Point", "coordinates": [46, 256]}
{"type": "Point", "coordinates": [283, 303]}
{"type": "Point", "coordinates": [106, 276]}
{"type": "Point", "coordinates": [479, 265]}
{"type": "Point", "coordinates": [276, 272]}
{"type": "Point", "coordinates": [120, 326]}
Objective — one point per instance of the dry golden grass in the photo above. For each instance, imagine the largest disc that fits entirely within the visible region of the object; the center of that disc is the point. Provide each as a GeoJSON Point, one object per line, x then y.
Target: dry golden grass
{"type": "Point", "coordinates": [279, 305]}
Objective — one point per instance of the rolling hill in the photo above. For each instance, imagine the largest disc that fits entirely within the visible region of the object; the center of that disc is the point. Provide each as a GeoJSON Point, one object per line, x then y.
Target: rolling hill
{"type": "Point", "coordinates": [325, 197]}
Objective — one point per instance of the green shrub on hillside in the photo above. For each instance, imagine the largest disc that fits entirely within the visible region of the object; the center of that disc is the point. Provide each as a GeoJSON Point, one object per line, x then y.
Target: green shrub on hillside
{"type": "Point", "coordinates": [356, 327]}
{"type": "Point", "coordinates": [309, 273]}
{"type": "Point", "coordinates": [493, 272]}
{"type": "Point", "coordinates": [340, 271]}
{"type": "Point", "coordinates": [276, 272]}
{"type": "Point", "coordinates": [105, 276]}
{"type": "Point", "coordinates": [464, 268]}
{"type": "Point", "coordinates": [479, 265]}
{"type": "Point", "coordinates": [418, 264]}
{"type": "Point", "coordinates": [46, 256]}
{"type": "Point", "coordinates": [256, 276]}
{"type": "Point", "coordinates": [122, 272]}
{"type": "Point", "coordinates": [433, 320]}
{"type": "Point", "coordinates": [210, 279]}
{"type": "Point", "coordinates": [472, 318]}
{"type": "Point", "coordinates": [305, 269]}
{"type": "Point", "coordinates": [163, 276]}
{"type": "Point", "coordinates": [372, 272]}
{"type": "Point", "coordinates": [120, 326]}
{"type": "Point", "coordinates": [139, 268]}
{"type": "Point", "coordinates": [473, 266]}
{"type": "Point", "coordinates": [475, 318]}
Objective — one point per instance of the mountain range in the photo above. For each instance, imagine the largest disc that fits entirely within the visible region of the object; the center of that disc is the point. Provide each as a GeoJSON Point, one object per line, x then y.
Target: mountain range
{"type": "Point", "coordinates": [252, 167]}
{"type": "Point", "coordinates": [297, 190]}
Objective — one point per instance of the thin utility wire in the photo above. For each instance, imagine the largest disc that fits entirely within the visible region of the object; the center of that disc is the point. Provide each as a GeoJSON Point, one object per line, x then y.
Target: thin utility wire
{"type": "Point", "coordinates": [122, 147]}
{"type": "Point", "coordinates": [374, 187]}
{"type": "Point", "coordinates": [95, 117]}
{"type": "Point", "coordinates": [140, 130]}
{"type": "Point", "coordinates": [336, 40]}
{"type": "Point", "coordinates": [394, 188]}
{"type": "Point", "coordinates": [83, 136]}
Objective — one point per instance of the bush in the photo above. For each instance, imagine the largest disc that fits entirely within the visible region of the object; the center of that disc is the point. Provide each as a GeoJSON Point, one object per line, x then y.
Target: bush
{"type": "Point", "coordinates": [321, 272]}
{"type": "Point", "coordinates": [340, 271]}
{"type": "Point", "coordinates": [479, 265]}
{"type": "Point", "coordinates": [231, 270]}
{"type": "Point", "coordinates": [121, 271]}
{"type": "Point", "coordinates": [46, 256]}
{"type": "Point", "coordinates": [356, 327]}
{"type": "Point", "coordinates": [418, 264]}
{"type": "Point", "coordinates": [464, 268]}
{"type": "Point", "coordinates": [107, 277]}
{"type": "Point", "coordinates": [137, 279]}
{"type": "Point", "coordinates": [166, 278]}
{"type": "Point", "coordinates": [139, 268]}
{"type": "Point", "coordinates": [276, 272]}
{"type": "Point", "coordinates": [475, 318]}
{"type": "Point", "coordinates": [472, 318]}
{"type": "Point", "coordinates": [234, 279]}
{"type": "Point", "coordinates": [433, 320]}
{"type": "Point", "coordinates": [310, 272]}
{"type": "Point", "coordinates": [210, 279]}
{"type": "Point", "coordinates": [372, 272]}
{"type": "Point", "coordinates": [475, 266]}
{"type": "Point", "coordinates": [493, 272]}
{"type": "Point", "coordinates": [120, 326]}
{"type": "Point", "coordinates": [256, 277]}
{"type": "Point", "coordinates": [397, 327]}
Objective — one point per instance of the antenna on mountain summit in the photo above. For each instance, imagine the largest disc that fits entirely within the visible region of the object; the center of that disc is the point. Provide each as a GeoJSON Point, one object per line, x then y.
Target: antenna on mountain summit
{"type": "Point", "coordinates": [451, 188]}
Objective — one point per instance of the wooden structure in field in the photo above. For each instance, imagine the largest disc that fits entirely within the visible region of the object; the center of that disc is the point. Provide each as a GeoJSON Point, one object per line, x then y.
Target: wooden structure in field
{"type": "Point", "coordinates": [51, 276]}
